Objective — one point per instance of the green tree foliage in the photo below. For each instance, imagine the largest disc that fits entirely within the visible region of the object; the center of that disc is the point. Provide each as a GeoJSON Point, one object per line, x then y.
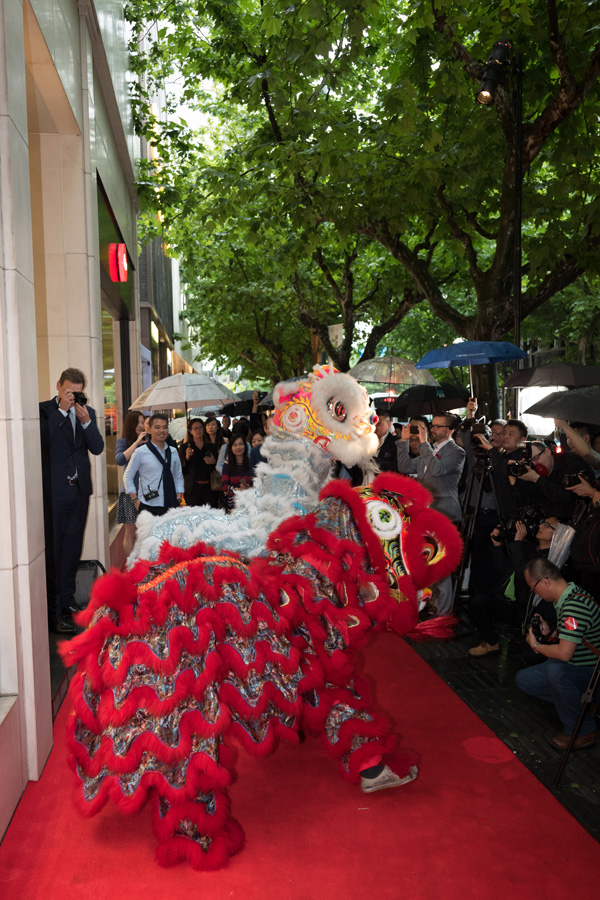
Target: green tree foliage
{"type": "Point", "coordinates": [358, 122]}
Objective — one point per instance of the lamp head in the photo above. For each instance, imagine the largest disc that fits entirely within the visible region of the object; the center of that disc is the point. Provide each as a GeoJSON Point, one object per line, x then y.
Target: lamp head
{"type": "Point", "coordinates": [494, 72]}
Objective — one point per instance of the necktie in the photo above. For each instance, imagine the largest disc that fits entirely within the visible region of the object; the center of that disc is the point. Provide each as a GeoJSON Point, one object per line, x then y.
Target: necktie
{"type": "Point", "coordinates": [170, 495]}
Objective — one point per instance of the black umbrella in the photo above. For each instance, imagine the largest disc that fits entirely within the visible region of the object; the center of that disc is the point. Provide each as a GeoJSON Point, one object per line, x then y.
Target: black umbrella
{"type": "Point", "coordinates": [560, 374]}
{"type": "Point", "coordinates": [242, 407]}
{"type": "Point", "coordinates": [579, 405]}
{"type": "Point", "coordinates": [425, 399]}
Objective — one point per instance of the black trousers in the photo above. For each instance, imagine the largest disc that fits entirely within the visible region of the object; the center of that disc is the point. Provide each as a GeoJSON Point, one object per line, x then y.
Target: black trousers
{"type": "Point", "coordinates": [155, 510]}
{"type": "Point", "coordinates": [64, 521]}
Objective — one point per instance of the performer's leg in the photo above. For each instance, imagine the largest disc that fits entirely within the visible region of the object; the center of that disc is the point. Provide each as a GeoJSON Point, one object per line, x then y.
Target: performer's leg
{"type": "Point", "coordinates": [200, 829]}
{"type": "Point", "coordinates": [354, 733]}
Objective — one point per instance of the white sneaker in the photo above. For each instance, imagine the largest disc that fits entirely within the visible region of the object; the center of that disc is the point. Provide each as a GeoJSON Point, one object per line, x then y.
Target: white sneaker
{"type": "Point", "coordinates": [387, 779]}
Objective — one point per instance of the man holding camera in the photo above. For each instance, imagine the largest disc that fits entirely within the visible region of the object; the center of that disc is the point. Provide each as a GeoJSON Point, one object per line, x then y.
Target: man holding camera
{"type": "Point", "coordinates": [68, 434]}
{"type": "Point", "coordinates": [160, 476]}
{"type": "Point", "coordinates": [386, 458]}
{"type": "Point", "coordinates": [508, 601]}
{"type": "Point", "coordinates": [438, 467]}
{"type": "Point", "coordinates": [543, 483]}
{"type": "Point", "coordinates": [568, 666]}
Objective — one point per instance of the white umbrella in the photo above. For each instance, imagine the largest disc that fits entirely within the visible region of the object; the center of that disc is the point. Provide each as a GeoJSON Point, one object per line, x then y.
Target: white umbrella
{"type": "Point", "coordinates": [183, 390]}
{"type": "Point", "coordinates": [178, 428]}
{"type": "Point", "coordinates": [392, 373]}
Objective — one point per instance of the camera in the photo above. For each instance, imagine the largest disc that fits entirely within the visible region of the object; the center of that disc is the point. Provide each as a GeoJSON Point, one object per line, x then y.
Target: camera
{"type": "Point", "coordinates": [517, 467]}
{"type": "Point", "coordinates": [414, 429]}
{"type": "Point", "coordinates": [79, 397]}
{"type": "Point", "coordinates": [572, 479]}
{"type": "Point", "coordinates": [530, 518]}
{"type": "Point", "coordinates": [150, 495]}
{"type": "Point", "coordinates": [549, 637]}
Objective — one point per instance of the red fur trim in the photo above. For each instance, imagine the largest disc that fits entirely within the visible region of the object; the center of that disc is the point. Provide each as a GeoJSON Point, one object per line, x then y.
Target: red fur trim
{"type": "Point", "coordinates": [364, 753]}
{"type": "Point", "coordinates": [440, 628]}
{"type": "Point", "coordinates": [430, 522]}
{"type": "Point", "coordinates": [414, 495]}
{"type": "Point", "coordinates": [275, 732]}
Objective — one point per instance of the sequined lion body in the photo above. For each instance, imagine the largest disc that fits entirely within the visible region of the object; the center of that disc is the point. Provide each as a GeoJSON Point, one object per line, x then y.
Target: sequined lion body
{"type": "Point", "coordinates": [206, 648]}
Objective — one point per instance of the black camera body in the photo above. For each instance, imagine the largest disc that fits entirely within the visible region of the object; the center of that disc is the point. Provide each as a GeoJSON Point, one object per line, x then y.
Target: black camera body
{"type": "Point", "coordinates": [150, 495]}
{"type": "Point", "coordinates": [529, 516]}
{"type": "Point", "coordinates": [79, 397]}
{"type": "Point", "coordinates": [571, 479]}
{"type": "Point", "coordinates": [518, 467]}
{"type": "Point", "coordinates": [414, 429]}
{"type": "Point", "coordinates": [548, 637]}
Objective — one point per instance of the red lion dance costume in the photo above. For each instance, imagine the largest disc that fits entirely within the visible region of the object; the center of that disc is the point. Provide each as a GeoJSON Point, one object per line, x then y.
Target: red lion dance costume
{"type": "Point", "coordinates": [183, 657]}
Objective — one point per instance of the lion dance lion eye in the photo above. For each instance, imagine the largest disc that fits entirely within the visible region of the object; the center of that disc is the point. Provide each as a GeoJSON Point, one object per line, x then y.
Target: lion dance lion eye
{"type": "Point", "coordinates": [431, 551]}
{"type": "Point", "coordinates": [337, 410]}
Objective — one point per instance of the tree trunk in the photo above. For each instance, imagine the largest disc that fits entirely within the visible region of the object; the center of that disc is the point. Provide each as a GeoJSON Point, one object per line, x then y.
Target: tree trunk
{"type": "Point", "coordinates": [485, 388]}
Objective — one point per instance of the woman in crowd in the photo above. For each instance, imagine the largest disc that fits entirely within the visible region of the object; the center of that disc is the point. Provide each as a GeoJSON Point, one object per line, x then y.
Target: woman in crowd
{"type": "Point", "coordinates": [213, 442]}
{"type": "Point", "coordinates": [257, 439]}
{"type": "Point", "coordinates": [197, 466]}
{"type": "Point", "coordinates": [134, 434]}
{"type": "Point", "coordinates": [236, 470]}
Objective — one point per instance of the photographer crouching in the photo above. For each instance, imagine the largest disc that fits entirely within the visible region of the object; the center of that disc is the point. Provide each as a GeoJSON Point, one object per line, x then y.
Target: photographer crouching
{"type": "Point", "coordinates": [567, 668]}
{"type": "Point", "coordinates": [513, 546]}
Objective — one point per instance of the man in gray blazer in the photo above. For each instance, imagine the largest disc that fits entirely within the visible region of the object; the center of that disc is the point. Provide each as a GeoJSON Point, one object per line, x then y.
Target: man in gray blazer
{"type": "Point", "coordinates": [438, 467]}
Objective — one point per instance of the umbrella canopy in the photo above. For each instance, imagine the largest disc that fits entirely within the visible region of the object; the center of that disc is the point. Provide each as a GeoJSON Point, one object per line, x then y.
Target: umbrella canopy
{"type": "Point", "coordinates": [183, 390]}
{"type": "Point", "coordinates": [178, 427]}
{"type": "Point", "coordinates": [470, 353]}
{"type": "Point", "coordinates": [242, 407]}
{"type": "Point", "coordinates": [558, 374]}
{"type": "Point", "coordinates": [579, 405]}
{"type": "Point", "coordinates": [390, 372]}
{"type": "Point", "coordinates": [425, 399]}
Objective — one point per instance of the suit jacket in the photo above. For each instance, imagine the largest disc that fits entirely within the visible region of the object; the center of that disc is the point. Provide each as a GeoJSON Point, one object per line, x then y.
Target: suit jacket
{"type": "Point", "coordinates": [64, 454]}
{"type": "Point", "coordinates": [439, 472]}
{"type": "Point", "coordinates": [387, 457]}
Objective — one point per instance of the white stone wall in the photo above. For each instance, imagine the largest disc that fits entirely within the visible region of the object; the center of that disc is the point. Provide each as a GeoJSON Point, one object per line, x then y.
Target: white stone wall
{"type": "Point", "coordinates": [63, 119]}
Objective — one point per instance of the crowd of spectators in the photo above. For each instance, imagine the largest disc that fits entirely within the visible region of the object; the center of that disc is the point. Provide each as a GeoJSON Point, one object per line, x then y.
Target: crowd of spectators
{"type": "Point", "coordinates": [529, 511]}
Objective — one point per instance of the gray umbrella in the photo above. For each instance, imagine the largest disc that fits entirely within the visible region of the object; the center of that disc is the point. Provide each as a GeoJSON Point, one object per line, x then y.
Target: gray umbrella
{"type": "Point", "coordinates": [579, 405]}
{"type": "Point", "coordinates": [558, 374]}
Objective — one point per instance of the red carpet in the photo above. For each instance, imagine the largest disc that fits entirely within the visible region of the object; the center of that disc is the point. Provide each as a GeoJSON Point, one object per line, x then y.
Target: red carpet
{"type": "Point", "coordinates": [476, 824]}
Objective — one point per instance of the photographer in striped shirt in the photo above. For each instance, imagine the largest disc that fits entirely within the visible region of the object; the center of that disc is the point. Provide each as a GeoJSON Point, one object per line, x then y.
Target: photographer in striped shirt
{"type": "Point", "coordinates": [565, 674]}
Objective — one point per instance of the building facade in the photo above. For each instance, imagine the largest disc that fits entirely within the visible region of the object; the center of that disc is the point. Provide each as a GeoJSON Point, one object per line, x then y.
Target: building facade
{"type": "Point", "coordinates": [68, 297]}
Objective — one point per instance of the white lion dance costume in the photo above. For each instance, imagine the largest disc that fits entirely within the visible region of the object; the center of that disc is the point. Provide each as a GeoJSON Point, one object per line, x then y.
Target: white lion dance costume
{"type": "Point", "coordinates": [318, 419]}
{"type": "Point", "coordinates": [206, 647]}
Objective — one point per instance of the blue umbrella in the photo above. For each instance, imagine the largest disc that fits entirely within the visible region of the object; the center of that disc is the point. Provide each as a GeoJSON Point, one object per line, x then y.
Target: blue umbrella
{"type": "Point", "coordinates": [470, 353]}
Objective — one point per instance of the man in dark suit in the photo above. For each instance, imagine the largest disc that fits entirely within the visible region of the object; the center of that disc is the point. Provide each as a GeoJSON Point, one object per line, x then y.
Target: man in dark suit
{"type": "Point", "coordinates": [68, 433]}
{"type": "Point", "coordinates": [438, 467]}
{"type": "Point", "coordinates": [387, 455]}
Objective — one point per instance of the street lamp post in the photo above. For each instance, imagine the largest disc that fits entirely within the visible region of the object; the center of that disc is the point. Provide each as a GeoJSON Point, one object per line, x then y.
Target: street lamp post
{"type": "Point", "coordinates": [494, 73]}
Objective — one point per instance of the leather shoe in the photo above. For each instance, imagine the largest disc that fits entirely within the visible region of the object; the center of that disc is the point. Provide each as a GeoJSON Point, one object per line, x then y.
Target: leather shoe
{"type": "Point", "coordinates": [61, 625]}
{"type": "Point", "coordinates": [483, 649]}
{"type": "Point", "coordinates": [561, 741]}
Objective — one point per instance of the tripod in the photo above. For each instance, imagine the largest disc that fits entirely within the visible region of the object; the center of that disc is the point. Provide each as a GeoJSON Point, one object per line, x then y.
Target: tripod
{"type": "Point", "coordinates": [482, 468]}
{"type": "Point", "coordinates": [586, 698]}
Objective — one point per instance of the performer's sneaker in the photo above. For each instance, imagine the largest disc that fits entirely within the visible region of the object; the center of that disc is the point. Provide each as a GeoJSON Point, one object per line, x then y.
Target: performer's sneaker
{"type": "Point", "coordinates": [483, 649]}
{"type": "Point", "coordinates": [387, 779]}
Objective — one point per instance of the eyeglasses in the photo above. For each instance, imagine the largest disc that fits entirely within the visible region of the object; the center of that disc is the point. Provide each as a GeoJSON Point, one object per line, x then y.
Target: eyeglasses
{"type": "Point", "coordinates": [548, 525]}
{"type": "Point", "coordinates": [435, 427]}
{"type": "Point", "coordinates": [536, 584]}
{"type": "Point", "coordinates": [537, 455]}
